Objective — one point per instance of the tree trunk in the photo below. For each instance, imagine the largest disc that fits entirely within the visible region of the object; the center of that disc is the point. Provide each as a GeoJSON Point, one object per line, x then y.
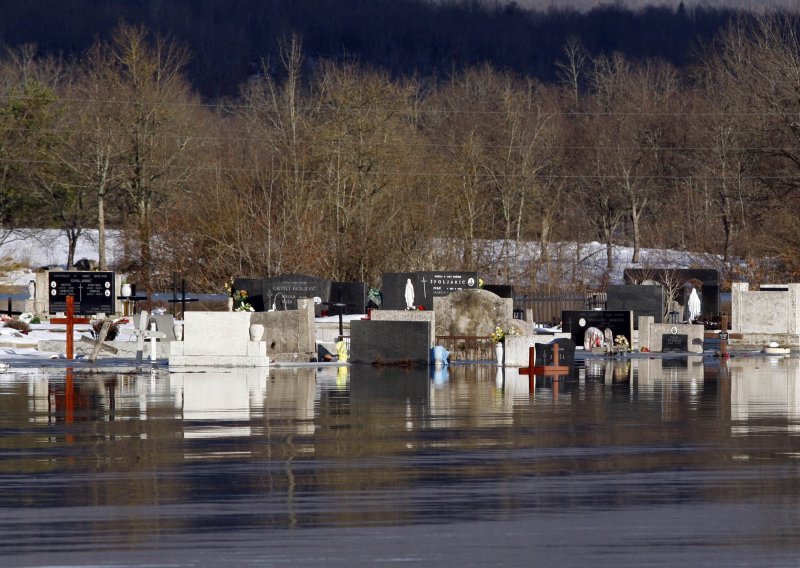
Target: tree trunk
{"type": "Point", "coordinates": [101, 232]}
{"type": "Point", "coordinates": [636, 215]}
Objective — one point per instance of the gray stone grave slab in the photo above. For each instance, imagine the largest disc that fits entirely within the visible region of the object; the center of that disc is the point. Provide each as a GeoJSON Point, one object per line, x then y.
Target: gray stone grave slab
{"type": "Point", "coordinates": [390, 342]}
{"type": "Point", "coordinates": [166, 325]}
{"type": "Point", "coordinates": [642, 300]}
{"type": "Point", "coordinates": [577, 322]}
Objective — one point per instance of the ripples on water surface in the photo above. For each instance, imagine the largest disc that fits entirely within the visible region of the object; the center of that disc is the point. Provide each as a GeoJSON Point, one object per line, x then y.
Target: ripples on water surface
{"type": "Point", "coordinates": [642, 463]}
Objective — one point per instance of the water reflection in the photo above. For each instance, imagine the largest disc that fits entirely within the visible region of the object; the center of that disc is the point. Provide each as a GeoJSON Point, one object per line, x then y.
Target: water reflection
{"type": "Point", "coordinates": [128, 458]}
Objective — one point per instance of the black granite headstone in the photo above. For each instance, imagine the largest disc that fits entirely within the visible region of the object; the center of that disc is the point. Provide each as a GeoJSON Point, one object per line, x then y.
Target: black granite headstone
{"type": "Point", "coordinates": [641, 300]}
{"type": "Point", "coordinates": [393, 287]}
{"type": "Point", "coordinates": [284, 291]}
{"type": "Point", "coordinates": [255, 291]}
{"type": "Point", "coordinates": [674, 343]}
{"type": "Point", "coordinates": [352, 293]}
{"type": "Point", "coordinates": [576, 323]}
{"type": "Point", "coordinates": [93, 292]}
{"type": "Point", "coordinates": [426, 287]}
{"type": "Point", "coordinates": [390, 343]}
{"type": "Point", "coordinates": [707, 277]}
{"type": "Point", "coordinates": [502, 290]}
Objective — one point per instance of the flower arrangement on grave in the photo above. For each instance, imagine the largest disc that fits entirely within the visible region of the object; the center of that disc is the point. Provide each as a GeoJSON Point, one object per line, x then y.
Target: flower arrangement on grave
{"type": "Point", "coordinates": [5, 318]}
{"type": "Point", "coordinates": [241, 302]}
{"type": "Point", "coordinates": [621, 343]}
{"type": "Point", "coordinates": [113, 329]}
{"type": "Point", "coordinates": [421, 308]}
{"type": "Point", "coordinates": [499, 334]}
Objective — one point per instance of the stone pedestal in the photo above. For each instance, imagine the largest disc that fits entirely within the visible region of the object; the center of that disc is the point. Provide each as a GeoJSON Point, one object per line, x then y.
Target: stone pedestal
{"type": "Point", "coordinates": [217, 339]}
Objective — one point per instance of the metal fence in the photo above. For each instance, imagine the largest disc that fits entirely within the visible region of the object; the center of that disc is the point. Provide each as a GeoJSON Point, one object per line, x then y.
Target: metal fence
{"type": "Point", "coordinates": [467, 347]}
{"type": "Point", "coordinates": [547, 308]}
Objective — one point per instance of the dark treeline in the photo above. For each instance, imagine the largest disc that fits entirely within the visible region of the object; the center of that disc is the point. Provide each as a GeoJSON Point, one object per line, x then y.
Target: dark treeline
{"type": "Point", "coordinates": [229, 38]}
{"type": "Point", "coordinates": [344, 170]}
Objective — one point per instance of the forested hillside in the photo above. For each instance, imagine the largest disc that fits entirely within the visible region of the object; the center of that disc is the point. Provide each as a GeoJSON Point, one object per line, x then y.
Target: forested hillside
{"type": "Point", "coordinates": [229, 38]}
{"type": "Point", "coordinates": [344, 169]}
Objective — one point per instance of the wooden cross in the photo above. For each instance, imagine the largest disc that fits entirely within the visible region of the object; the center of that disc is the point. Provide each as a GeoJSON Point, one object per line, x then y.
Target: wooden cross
{"type": "Point", "coordinates": [70, 320]}
{"type": "Point", "coordinates": [9, 311]}
{"type": "Point", "coordinates": [555, 370]}
{"type": "Point", "coordinates": [98, 343]}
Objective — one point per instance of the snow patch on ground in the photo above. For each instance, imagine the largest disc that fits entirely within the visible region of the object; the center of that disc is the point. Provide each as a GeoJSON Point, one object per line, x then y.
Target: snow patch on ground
{"type": "Point", "coordinates": [34, 249]}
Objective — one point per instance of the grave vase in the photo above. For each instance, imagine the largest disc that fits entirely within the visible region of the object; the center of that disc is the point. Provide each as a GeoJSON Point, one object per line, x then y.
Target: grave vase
{"type": "Point", "coordinates": [178, 330]}
{"type": "Point", "coordinates": [125, 290]}
{"type": "Point", "coordinates": [230, 304]}
{"type": "Point", "coordinates": [256, 332]}
{"type": "Point", "coordinates": [498, 353]}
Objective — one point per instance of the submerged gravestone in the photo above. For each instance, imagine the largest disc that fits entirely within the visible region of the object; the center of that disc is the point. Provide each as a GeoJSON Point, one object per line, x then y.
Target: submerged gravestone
{"type": "Point", "coordinates": [391, 343]}
{"type": "Point", "coordinates": [545, 355]}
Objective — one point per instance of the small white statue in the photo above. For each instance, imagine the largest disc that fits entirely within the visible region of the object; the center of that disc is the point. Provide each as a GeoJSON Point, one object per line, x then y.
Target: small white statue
{"type": "Point", "coordinates": [409, 295]}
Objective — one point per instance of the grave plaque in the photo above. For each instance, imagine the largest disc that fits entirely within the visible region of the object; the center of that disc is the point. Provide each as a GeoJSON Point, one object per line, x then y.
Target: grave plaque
{"type": "Point", "coordinates": [93, 292]}
{"type": "Point", "coordinates": [576, 323]}
{"type": "Point", "coordinates": [426, 286]}
{"type": "Point", "coordinates": [674, 343]}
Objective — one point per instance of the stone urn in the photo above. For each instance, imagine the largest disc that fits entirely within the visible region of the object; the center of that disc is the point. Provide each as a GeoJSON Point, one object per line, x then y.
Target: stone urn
{"type": "Point", "coordinates": [177, 329]}
{"type": "Point", "coordinates": [125, 290]}
{"type": "Point", "coordinates": [256, 332]}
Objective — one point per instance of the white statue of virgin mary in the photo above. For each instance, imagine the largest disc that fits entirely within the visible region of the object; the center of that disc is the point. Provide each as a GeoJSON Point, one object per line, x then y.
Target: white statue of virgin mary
{"type": "Point", "coordinates": [694, 305]}
{"type": "Point", "coordinates": [409, 294]}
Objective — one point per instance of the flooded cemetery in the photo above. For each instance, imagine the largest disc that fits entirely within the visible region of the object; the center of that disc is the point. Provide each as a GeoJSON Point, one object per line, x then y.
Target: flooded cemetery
{"type": "Point", "coordinates": [649, 461]}
{"type": "Point", "coordinates": [441, 427]}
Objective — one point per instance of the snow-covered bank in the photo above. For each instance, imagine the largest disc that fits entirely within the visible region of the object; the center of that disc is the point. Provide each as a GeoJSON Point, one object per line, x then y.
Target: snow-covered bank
{"type": "Point", "coordinates": [585, 262]}
{"type": "Point", "coordinates": [30, 249]}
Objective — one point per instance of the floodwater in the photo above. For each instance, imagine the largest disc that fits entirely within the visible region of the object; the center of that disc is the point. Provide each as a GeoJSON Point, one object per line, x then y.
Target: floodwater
{"type": "Point", "coordinates": [645, 462]}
